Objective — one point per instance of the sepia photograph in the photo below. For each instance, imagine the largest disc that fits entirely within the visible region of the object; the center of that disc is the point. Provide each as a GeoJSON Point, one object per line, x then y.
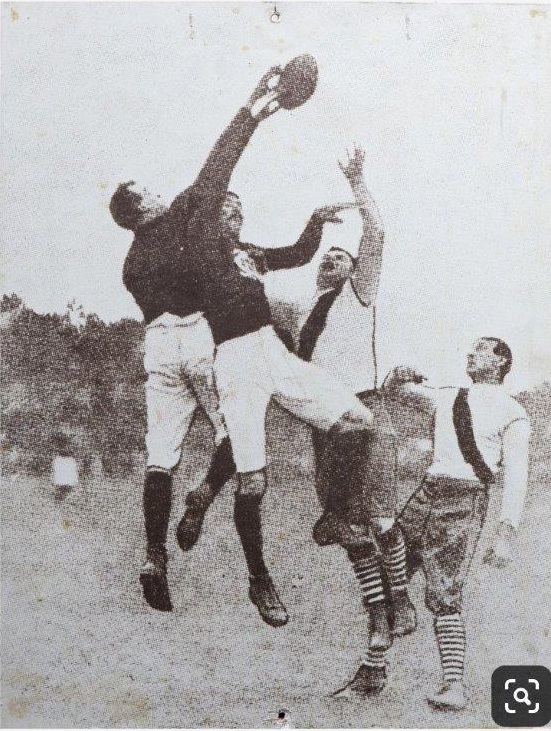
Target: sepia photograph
{"type": "Point", "coordinates": [275, 326]}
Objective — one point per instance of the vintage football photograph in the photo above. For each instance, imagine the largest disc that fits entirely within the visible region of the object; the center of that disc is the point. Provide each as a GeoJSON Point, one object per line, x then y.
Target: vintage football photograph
{"type": "Point", "coordinates": [275, 330]}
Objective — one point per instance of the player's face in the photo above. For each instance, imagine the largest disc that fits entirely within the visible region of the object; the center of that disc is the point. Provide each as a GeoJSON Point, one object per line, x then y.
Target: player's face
{"type": "Point", "coordinates": [335, 268]}
{"type": "Point", "coordinates": [482, 363]}
{"type": "Point", "coordinates": [231, 217]}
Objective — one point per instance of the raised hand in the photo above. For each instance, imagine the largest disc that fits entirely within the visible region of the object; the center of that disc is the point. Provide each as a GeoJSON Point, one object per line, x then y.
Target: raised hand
{"type": "Point", "coordinates": [406, 374]}
{"type": "Point", "coordinates": [263, 101]}
{"type": "Point", "coordinates": [328, 214]}
{"type": "Point", "coordinates": [353, 167]}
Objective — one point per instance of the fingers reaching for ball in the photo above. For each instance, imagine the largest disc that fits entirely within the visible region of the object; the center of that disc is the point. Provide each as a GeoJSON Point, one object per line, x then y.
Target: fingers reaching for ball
{"type": "Point", "coordinates": [265, 106]}
{"type": "Point", "coordinates": [293, 85]}
{"type": "Point", "coordinates": [267, 83]}
{"type": "Point", "coordinates": [353, 167]}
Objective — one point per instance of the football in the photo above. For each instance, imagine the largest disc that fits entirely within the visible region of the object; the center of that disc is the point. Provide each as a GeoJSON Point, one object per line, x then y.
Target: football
{"type": "Point", "coordinates": [297, 82]}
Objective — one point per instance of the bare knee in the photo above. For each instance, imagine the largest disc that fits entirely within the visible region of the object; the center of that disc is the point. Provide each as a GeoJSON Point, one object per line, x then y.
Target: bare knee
{"type": "Point", "coordinates": [381, 525]}
{"type": "Point", "coordinates": [252, 483]}
{"type": "Point", "coordinates": [356, 419]}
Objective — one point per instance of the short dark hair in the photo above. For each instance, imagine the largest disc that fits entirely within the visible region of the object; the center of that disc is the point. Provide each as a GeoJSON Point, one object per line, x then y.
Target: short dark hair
{"type": "Point", "coordinates": [353, 259]}
{"type": "Point", "coordinates": [124, 206]}
{"type": "Point", "coordinates": [504, 351]}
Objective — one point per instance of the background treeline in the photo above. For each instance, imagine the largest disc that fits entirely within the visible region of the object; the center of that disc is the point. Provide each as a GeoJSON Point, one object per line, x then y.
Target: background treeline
{"type": "Point", "coordinates": [75, 379]}
{"type": "Point", "coordinates": [70, 379]}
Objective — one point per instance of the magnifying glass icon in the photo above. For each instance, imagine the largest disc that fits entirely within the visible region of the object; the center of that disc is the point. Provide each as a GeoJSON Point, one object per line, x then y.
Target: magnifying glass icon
{"type": "Point", "coordinates": [521, 696]}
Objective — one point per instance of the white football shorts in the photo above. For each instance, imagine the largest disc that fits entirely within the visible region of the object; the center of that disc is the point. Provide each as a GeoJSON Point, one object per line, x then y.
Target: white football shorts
{"type": "Point", "coordinates": [179, 355]}
{"type": "Point", "coordinates": [252, 369]}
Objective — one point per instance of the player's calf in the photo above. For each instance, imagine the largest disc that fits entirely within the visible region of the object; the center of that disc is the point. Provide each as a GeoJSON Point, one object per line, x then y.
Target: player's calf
{"type": "Point", "coordinates": [450, 635]}
{"type": "Point", "coordinates": [337, 478]}
{"type": "Point", "coordinates": [393, 552]}
{"type": "Point", "coordinates": [248, 523]}
{"type": "Point", "coordinates": [198, 501]}
{"type": "Point", "coordinates": [366, 564]}
{"type": "Point", "coordinates": [157, 499]}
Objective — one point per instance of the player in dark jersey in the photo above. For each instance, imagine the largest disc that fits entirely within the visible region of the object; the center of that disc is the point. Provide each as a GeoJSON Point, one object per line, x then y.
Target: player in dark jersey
{"type": "Point", "coordinates": [179, 353]}
{"type": "Point", "coordinates": [179, 347]}
{"type": "Point", "coordinates": [252, 365]}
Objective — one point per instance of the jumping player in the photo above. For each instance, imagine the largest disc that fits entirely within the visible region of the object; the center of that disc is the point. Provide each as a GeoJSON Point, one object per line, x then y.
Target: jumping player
{"type": "Point", "coordinates": [179, 352]}
{"type": "Point", "coordinates": [477, 431]}
{"type": "Point", "coordinates": [356, 473]}
{"type": "Point", "coordinates": [252, 365]}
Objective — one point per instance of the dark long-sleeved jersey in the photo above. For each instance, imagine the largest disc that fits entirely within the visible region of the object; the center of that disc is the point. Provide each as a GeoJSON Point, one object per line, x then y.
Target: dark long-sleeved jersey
{"type": "Point", "coordinates": [181, 263]}
{"type": "Point", "coordinates": [234, 302]}
{"type": "Point", "coordinates": [156, 271]}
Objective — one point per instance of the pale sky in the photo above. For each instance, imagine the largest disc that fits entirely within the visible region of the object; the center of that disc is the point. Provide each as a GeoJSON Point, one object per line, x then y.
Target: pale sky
{"type": "Point", "coordinates": [452, 104]}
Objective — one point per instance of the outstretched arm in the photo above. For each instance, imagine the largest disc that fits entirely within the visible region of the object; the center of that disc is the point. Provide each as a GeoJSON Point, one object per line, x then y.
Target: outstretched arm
{"type": "Point", "coordinates": [209, 257]}
{"type": "Point", "coordinates": [299, 254]}
{"type": "Point", "coordinates": [210, 187]}
{"type": "Point", "coordinates": [213, 180]}
{"type": "Point", "coordinates": [404, 384]}
{"type": "Point", "coordinates": [367, 272]}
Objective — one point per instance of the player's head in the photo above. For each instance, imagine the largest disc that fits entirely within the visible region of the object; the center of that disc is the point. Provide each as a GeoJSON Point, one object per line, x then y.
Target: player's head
{"type": "Point", "coordinates": [489, 360]}
{"type": "Point", "coordinates": [132, 206]}
{"type": "Point", "coordinates": [335, 268]}
{"type": "Point", "coordinates": [231, 216]}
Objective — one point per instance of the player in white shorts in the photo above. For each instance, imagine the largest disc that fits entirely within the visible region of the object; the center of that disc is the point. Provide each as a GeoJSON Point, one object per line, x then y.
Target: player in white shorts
{"type": "Point", "coordinates": [252, 365]}
{"type": "Point", "coordinates": [256, 367]}
{"type": "Point", "coordinates": [179, 353]}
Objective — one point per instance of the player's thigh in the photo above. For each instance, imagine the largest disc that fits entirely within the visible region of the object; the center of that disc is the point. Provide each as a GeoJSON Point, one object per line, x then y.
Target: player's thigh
{"type": "Point", "coordinates": [195, 341]}
{"type": "Point", "coordinates": [312, 394]}
{"type": "Point", "coordinates": [244, 413]}
{"type": "Point", "coordinates": [376, 464]}
{"type": "Point", "coordinates": [170, 409]}
{"type": "Point", "coordinates": [333, 473]}
{"type": "Point", "coordinates": [161, 350]}
{"type": "Point", "coordinates": [199, 376]}
{"type": "Point", "coordinates": [244, 385]}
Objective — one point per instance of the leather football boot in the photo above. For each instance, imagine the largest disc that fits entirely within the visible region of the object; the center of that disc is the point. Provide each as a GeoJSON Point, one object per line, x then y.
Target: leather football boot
{"type": "Point", "coordinates": [263, 595]}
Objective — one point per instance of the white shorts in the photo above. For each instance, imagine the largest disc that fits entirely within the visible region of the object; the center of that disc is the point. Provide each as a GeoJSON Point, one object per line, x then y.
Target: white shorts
{"type": "Point", "coordinates": [254, 368]}
{"type": "Point", "coordinates": [178, 359]}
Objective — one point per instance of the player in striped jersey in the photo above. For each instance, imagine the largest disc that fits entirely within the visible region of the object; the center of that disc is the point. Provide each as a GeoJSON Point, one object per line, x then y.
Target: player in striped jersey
{"type": "Point", "coordinates": [477, 432]}
{"type": "Point", "coordinates": [356, 473]}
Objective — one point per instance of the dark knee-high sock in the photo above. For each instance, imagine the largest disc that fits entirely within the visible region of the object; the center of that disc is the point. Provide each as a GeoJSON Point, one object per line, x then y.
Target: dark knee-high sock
{"type": "Point", "coordinates": [393, 551]}
{"type": "Point", "coordinates": [222, 467]}
{"type": "Point", "coordinates": [336, 461]}
{"type": "Point", "coordinates": [246, 515]}
{"type": "Point", "coordinates": [157, 499]}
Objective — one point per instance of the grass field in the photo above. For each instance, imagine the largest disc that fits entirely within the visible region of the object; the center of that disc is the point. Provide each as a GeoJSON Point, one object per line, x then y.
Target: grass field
{"type": "Point", "coordinates": [80, 648]}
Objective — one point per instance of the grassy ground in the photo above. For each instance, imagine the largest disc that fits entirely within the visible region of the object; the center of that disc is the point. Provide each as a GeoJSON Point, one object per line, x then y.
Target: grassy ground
{"type": "Point", "coordinates": [80, 648]}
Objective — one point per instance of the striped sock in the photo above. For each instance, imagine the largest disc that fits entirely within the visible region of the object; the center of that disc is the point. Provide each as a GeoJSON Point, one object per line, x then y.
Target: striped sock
{"type": "Point", "coordinates": [450, 634]}
{"type": "Point", "coordinates": [375, 659]}
{"type": "Point", "coordinates": [369, 577]}
{"type": "Point", "coordinates": [393, 550]}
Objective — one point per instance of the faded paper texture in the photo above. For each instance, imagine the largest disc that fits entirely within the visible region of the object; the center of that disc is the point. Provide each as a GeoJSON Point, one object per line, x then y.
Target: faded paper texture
{"type": "Point", "coordinates": [451, 106]}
